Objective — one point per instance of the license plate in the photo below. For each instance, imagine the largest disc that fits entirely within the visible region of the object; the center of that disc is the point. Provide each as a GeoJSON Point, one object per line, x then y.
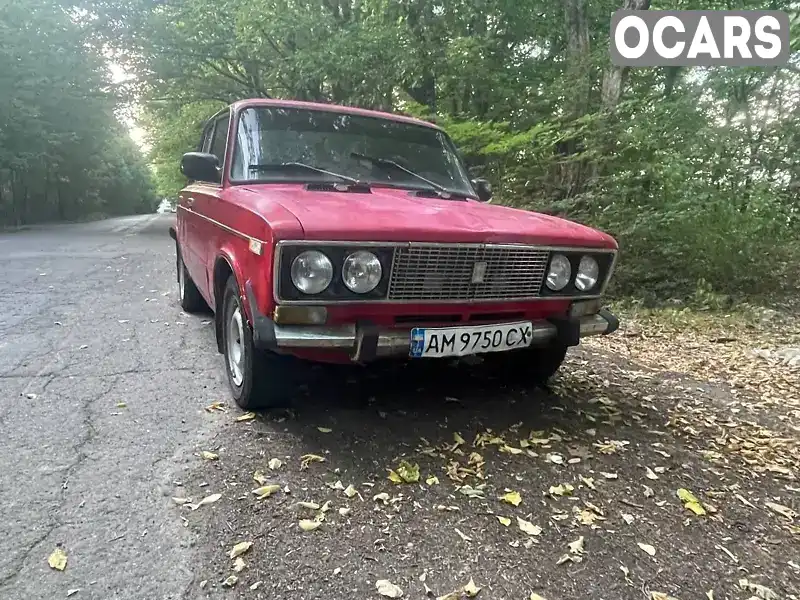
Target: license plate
{"type": "Point", "coordinates": [461, 341]}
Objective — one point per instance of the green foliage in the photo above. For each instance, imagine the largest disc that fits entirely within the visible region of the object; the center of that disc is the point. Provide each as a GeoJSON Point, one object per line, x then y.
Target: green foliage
{"type": "Point", "coordinates": [694, 171]}
{"type": "Point", "coordinates": [63, 153]}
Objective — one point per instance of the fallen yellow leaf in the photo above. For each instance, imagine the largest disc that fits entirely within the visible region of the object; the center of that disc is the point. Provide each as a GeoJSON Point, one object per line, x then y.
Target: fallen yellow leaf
{"type": "Point", "coordinates": [528, 527]}
{"type": "Point", "coordinates": [240, 549]}
{"type": "Point", "coordinates": [265, 491]}
{"type": "Point", "coordinates": [324, 429]}
{"type": "Point", "coordinates": [309, 505]}
{"type": "Point", "coordinates": [230, 581]}
{"type": "Point", "coordinates": [209, 455]}
{"type": "Point", "coordinates": [248, 416]}
{"type": "Point", "coordinates": [405, 473]}
{"type": "Point", "coordinates": [562, 489]}
{"type": "Point", "coordinates": [350, 491]}
{"type": "Point", "coordinates": [458, 439]}
{"type": "Point", "coordinates": [691, 502]}
{"type": "Point", "coordinates": [512, 498]}
{"type": "Point", "coordinates": [239, 564]}
{"type": "Point", "coordinates": [510, 449]}
{"type": "Point", "coordinates": [307, 459]}
{"type": "Point", "coordinates": [388, 589]}
{"type": "Point", "coordinates": [576, 547]}
{"type": "Point", "coordinates": [504, 520]}
{"type": "Point", "coordinates": [471, 590]}
{"type": "Point", "coordinates": [309, 525]}
{"type": "Point", "coordinates": [207, 500]}
{"type": "Point", "coordinates": [647, 548]}
{"type": "Point", "coordinates": [57, 560]}
{"type": "Point", "coordinates": [275, 463]}
{"type": "Point", "coordinates": [432, 480]}
{"type": "Point", "coordinates": [535, 596]}
{"type": "Point", "coordinates": [260, 478]}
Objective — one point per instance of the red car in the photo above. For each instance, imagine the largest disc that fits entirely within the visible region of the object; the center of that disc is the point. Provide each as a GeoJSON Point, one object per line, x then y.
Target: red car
{"type": "Point", "coordinates": [337, 234]}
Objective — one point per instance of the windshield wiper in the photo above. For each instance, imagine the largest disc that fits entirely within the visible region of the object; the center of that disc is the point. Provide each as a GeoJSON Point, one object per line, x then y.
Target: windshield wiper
{"type": "Point", "coordinates": [299, 165]}
{"type": "Point", "coordinates": [442, 191]}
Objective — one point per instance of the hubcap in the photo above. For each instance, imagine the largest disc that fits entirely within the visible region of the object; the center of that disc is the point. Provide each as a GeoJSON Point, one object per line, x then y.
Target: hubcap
{"type": "Point", "coordinates": [235, 339]}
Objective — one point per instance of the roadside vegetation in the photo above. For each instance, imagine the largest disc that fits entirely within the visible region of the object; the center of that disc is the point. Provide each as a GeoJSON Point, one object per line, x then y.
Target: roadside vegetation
{"type": "Point", "coordinates": [64, 154]}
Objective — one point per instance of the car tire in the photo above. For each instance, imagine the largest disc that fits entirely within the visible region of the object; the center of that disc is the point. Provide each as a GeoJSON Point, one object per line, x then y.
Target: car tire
{"type": "Point", "coordinates": [536, 365]}
{"type": "Point", "coordinates": [257, 378]}
{"type": "Point", "coordinates": [189, 296]}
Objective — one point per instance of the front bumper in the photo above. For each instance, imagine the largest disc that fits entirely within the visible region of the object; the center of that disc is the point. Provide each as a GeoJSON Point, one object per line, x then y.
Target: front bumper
{"type": "Point", "coordinates": [365, 341]}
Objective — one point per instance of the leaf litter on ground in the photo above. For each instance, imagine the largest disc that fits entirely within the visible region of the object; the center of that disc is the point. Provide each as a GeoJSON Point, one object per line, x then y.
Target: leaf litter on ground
{"type": "Point", "coordinates": [405, 473]}
{"type": "Point", "coordinates": [57, 559]}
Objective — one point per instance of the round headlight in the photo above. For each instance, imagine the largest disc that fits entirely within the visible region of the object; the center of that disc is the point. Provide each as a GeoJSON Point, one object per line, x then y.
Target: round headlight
{"type": "Point", "coordinates": [312, 272]}
{"type": "Point", "coordinates": [588, 274]}
{"type": "Point", "coordinates": [559, 273]}
{"type": "Point", "coordinates": [361, 272]}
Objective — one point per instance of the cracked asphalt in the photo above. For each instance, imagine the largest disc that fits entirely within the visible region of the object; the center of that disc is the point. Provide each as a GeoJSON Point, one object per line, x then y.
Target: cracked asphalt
{"type": "Point", "coordinates": [102, 385]}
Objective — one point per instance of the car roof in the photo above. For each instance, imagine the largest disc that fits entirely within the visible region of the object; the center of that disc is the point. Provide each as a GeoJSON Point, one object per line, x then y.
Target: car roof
{"type": "Point", "coordinates": [338, 108]}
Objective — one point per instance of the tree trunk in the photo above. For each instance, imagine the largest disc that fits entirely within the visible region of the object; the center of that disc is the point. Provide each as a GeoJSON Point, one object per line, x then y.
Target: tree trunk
{"type": "Point", "coordinates": [578, 61]}
{"type": "Point", "coordinates": [614, 76]}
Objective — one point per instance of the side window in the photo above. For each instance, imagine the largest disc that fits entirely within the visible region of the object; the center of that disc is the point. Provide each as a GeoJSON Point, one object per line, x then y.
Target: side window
{"type": "Point", "coordinates": [220, 138]}
{"type": "Point", "coordinates": [205, 141]}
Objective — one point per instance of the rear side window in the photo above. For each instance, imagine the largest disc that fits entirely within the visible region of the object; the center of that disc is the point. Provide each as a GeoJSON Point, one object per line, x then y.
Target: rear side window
{"type": "Point", "coordinates": [220, 139]}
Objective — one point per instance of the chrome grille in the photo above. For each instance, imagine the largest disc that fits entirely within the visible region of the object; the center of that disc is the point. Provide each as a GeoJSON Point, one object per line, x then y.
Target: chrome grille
{"type": "Point", "coordinates": [440, 272]}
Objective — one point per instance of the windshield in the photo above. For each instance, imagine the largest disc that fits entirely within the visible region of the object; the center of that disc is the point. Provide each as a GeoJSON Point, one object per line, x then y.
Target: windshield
{"type": "Point", "coordinates": [358, 147]}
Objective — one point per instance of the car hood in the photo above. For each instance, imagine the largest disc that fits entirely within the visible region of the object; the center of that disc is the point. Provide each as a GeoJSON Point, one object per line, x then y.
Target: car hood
{"type": "Point", "coordinates": [397, 215]}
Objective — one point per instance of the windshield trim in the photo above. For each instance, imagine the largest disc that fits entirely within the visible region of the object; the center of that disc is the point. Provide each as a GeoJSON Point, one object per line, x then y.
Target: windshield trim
{"type": "Point", "coordinates": [411, 187]}
{"type": "Point", "coordinates": [234, 143]}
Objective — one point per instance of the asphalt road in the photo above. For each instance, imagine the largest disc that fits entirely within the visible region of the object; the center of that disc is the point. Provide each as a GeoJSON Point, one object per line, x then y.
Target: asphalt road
{"type": "Point", "coordinates": [103, 381]}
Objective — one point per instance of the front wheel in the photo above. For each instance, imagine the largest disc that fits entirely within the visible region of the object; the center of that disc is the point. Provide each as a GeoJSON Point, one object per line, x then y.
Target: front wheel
{"type": "Point", "coordinates": [536, 365]}
{"type": "Point", "coordinates": [257, 378]}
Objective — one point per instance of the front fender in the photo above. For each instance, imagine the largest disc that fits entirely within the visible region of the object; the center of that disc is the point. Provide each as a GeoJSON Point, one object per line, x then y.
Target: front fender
{"type": "Point", "coordinates": [252, 271]}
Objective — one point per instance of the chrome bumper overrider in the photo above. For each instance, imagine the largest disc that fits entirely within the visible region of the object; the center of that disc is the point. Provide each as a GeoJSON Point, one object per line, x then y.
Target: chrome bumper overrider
{"type": "Point", "coordinates": [395, 342]}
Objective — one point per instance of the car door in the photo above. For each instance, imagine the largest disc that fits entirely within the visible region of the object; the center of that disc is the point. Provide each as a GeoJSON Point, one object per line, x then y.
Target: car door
{"type": "Point", "coordinates": [207, 198]}
{"type": "Point", "coordinates": [189, 227]}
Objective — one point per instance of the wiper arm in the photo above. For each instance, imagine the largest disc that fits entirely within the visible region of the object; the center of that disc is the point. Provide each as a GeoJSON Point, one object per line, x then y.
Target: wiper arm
{"type": "Point", "coordinates": [385, 162]}
{"type": "Point", "coordinates": [292, 165]}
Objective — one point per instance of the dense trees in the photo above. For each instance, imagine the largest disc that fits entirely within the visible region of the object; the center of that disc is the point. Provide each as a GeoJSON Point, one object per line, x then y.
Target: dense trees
{"type": "Point", "coordinates": [63, 153]}
{"type": "Point", "coordinates": [694, 170]}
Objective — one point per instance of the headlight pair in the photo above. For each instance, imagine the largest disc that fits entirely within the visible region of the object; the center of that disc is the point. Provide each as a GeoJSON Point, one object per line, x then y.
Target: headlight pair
{"type": "Point", "coordinates": [560, 273]}
{"type": "Point", "coordinates": [312, 272]}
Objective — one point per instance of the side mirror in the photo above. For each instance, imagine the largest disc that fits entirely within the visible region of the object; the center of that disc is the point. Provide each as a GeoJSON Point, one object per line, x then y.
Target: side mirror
{"type": "Point", "coordinates": [483, 188]}
{"type": "Point", "coordinates": [201, 166]}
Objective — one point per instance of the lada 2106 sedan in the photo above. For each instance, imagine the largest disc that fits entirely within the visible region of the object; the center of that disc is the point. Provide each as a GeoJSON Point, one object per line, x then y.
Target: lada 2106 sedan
{"type": "Point", "coordinates": [337, 234]}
